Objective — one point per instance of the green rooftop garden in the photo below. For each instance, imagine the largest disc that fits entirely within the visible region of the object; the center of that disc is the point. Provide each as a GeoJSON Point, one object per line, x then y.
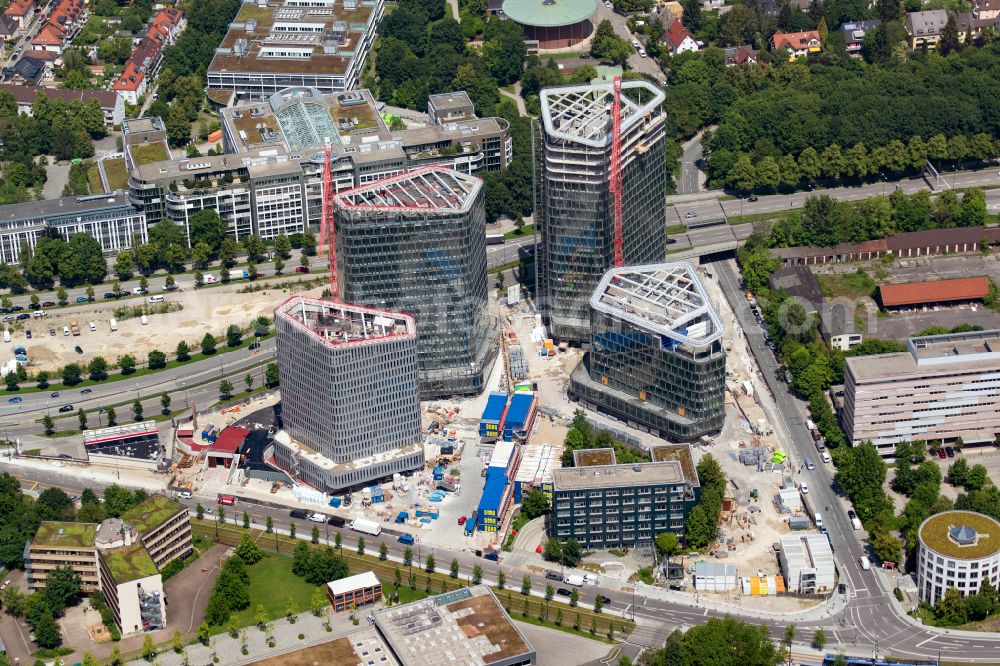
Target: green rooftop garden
{"type": "Point", "coordinates": [129, 563]}
{"type": "Point", "coordinates": [148, 153]}
{"type": "Point", "coordinates": [151, 513]}
{"type": "Point", "coordinates": [934, 533]}
{"type": "Point", "coordinates": [65, 535]}
{"type": "Point", "coordinates": [114, 169]}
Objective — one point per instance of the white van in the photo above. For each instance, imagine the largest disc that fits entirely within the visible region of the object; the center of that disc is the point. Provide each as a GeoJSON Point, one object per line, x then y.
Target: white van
{"type": "Point", "coordinates": [93, 326]}
{"type": "Point", "coordinates": [810, 426]}
{"type": "Point", "coordinates": [65, 330]}
{"type": "Point", "coordinates": [865, 563]}
{"type": "Point", "coordinates": [826, 456]}
{"type": "Point", "coordinates": [156, 299]}
{"type": "Point", "coordinates": [114, 324]}
{"type": "Point", "coordinates": [818, 519]}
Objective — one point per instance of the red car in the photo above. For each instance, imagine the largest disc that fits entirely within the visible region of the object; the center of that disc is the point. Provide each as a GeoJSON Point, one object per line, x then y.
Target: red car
{"type": "Point", "coordinates": [301, 269]}
{"type": "Point", "coordinates": [942, 454]}
{"type": "Point", "coordinates": [461, 520]}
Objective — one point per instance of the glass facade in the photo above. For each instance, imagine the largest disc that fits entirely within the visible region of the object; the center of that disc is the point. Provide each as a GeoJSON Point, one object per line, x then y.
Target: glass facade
{"type": "Point", "coordinates": [431, 265]}
{"type": "Point", "coordinates": [576, 245]}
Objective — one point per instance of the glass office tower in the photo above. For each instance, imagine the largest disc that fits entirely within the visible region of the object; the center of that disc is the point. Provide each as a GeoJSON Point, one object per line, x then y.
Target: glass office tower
{"type": "Point", "coordinates": [575, 208]}
{"type": "Point", "coordinates": [656, 357]}
{"type": "Point", "coordinates": [416, 243]}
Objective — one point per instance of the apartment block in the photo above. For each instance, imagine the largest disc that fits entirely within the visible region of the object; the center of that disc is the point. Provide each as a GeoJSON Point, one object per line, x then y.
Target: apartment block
{"type": "Point", "coordinates": [942, 388]}
{"type": "Point", "coordinates": [110, 218]}
{"type": "Point", "coordinates": [270, 46]}
{"type": "Point", "coordinates": [621, 506]}
{"type": "Point", "coordinates": [656, 359]}
{"type": "Point", "coordinates": [59, 544]}
{"type": "Point", "coordinates": [348, 392]}
{"type": "Point", "coordinates": [575, 212]}
{"type": "Point", "coordinates": [416, 243]}
{"type": "Point", "coordinates": [133, 589]}
{"type": "Point", "coordinates": [164, 526]}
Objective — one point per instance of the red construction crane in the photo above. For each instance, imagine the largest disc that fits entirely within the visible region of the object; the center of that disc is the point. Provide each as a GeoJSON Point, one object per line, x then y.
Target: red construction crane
{"type": "Point", "coordinates": [615, 182]}
{"type": "Point", "coordinates": [327, 229]}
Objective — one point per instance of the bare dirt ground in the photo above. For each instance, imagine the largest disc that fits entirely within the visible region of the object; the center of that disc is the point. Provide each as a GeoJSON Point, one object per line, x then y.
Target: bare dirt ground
{"type": "Point", "coordinates": [203, 311]}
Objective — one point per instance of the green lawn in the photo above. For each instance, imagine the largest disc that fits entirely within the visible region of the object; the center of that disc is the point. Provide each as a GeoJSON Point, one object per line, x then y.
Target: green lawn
{"type": "Point", "coordinates": [272, 583]}
{"type": "Point", "coordinates": [852, 285]}
{"type": "Point", "coordinates": [526, 230]}
{"type": "Point", "coordinates": [148, 153]}
{"type": "Point", "coordinates": [676, 229]}
{"type": "Point", "coordinates": [94, 180]}
{"type": "Point", "coordinates": [115, 171]}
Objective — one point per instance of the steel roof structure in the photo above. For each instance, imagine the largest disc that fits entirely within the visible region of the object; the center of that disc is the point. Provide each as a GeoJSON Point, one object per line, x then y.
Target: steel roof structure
{"type": "Point", "coordinates": [431, 188]}
{"type": "Point", "coordinates": [582, 114]}
{"type": "Point", "coordinates": [338, 324]}
{"type": "Point", "coordinates": [667, 298]}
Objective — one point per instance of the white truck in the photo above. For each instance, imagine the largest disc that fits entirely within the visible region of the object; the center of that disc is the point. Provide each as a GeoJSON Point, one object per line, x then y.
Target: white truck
{"type": "Point", "coordinates": [573, 579]}
{"type": "Point", "coordinates": [366, 526]}
{"type": "Point", "coordinates": [114, 324]}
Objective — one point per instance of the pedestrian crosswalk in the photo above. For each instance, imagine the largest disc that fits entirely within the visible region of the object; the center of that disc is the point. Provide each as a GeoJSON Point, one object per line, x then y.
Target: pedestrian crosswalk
{"type": "Point", "coordinates": [649, 635]}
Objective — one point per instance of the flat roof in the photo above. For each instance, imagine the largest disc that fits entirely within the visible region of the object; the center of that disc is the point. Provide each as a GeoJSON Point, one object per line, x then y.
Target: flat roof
{"type": "Point", "coordinates": [119, 431]}
{"type": "Point", "coordinates": [582, 114]}
{"type": "Point", "coordinates": [467, 626]}
{"type": "Point", "coordinates": [434, 188]}
{"type": "Point", "coordinates": [950, 351]}
{"type": "Point", "coordinates": [321, 461]}
{"type": "Point", "coordinates": [602, 476]}
{"type": "Point", "coordinates": [340, 325]}
{"type": "Point", "coordinates": [934, 291]}
{"type": "Point", "coordinates": [937, 531]}
{"type": "Point", "coordinates": [129, 563]}
{"type": "Point", "coordinates": [352, 583]}
{"type": "Point", "coordinates": [59, 534]}
{"type": "Point", "coordinates": [592, 457]}
{"type": "Point", "coordinates": [668, 299]}
{"type": "Point", "coordinates": [229, 440]}
{"type": "Point", "coordinates": [680, 453]}
{"type": "Point", "coordinates": [449, 100]}
{"type": "Point", "coordinates": [549, 13]}
{"type": "Point", "coordinates": [64, 206]}
{"type": "Point", "coordinates": [152, 512]}
{"type": "Point", "coordinates": [361, 647]}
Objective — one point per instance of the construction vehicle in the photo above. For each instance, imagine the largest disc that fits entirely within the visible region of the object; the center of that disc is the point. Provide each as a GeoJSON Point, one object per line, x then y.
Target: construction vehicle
{"type": "Point", "coordinates": [74, 327]}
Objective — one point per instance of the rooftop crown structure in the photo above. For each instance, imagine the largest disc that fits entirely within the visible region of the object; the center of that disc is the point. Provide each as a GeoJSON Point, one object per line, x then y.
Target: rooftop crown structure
{"type": "Point", "coordinates": [348, 393]}
{"type": "Point", "coordinates": [656, 354]}
{"type": "Point", "coordinates": [416, 242]}
{"type": "Point", "coordinates": [576, 216]}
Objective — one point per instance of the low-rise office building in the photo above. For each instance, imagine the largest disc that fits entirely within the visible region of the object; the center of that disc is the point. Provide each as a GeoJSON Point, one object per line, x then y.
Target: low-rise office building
{"type": "Point", "coordinates": [354, 591]}
{"type": "Point", "coordinates": [656, 359]}
{"type": "Point", "coordinates": [807, 563]}
{"type": "Point", "coordinates": [942, 388]}
{"type": "Point", "coordinates": [164, 526]}
{"type": "Point", "coordinates": [133, 589]}
{"type": "Point", "coordinates": [957, 549]}
{"type": "Point", "coordinates": [270, 46]}
{"type": "Point", "coordinates": [61, 544]}
{"type": "Point", "coordinates": [621, 506]}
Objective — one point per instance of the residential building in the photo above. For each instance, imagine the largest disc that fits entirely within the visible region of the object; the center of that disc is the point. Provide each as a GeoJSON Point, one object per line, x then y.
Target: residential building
{"type": "Point", "coordinates": [656, 359]}
{"type": "Point", "coordinates": [61, 26]}
{"type": "Point", "coordinates": [111, 104]}
{"type": "Point", "coordinates": [956, 550]}
{"type": "Point", "coordinates": [837, 324]}
{"type": "Point", "coordinates": [925, 28]}
{"type": "Point", "coordinates": [29, 69]}
{"type": "Point", "coordinates": [934, 292]}
{"type": "Point", "coordinates": [740, 55]}
{"type": "Point", "coordinates": [141, 68]}
{"type": "Point", "coordinates": [133, 589]}
{"type": "Point", "coordinates": [986, 10]}
{"type": "Point", "coordinates": [854, 34]}
{"type": "Point", "coordinates": [110, 218]}
{"type": "Point", "coordinates": [164, 526]}
{"type": "Point", "coordinates": [428, 222]}
{"type": "Point", "coordinates": [622, 506]}
{"type": "Point", "coordinates": [679, 39]}
{"type": "Point", "coordinates": [942, 388]}
{"type": "Point", "coordinates": [62, 544]}
{"type": "Point", "coordinates": [807, 563]}
{"type": "Point", "coordinates": [354, 592]}
{"type": "Point", "coordinates": [575, 212]}
{"type": "Point", "coordinates": [349, 394]}
{"type": "Point", "coordinates": [468, 624]}
{"type": "Point", "coordinates": [970, 27]}
{"type": "Point", "coordinates": [20, 13]}
{"type": "Point", "coordinates": [798, 44]}
{"type": "Point", "coordinates": [8, 27]}
{"type": "Point", "coordinates": [271, 46]}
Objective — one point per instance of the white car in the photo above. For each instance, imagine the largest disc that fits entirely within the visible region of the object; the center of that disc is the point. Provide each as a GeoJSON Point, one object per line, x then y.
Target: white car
{"type": "Point", "coordinates": [809, 464]}
{"type": "Point", "coordinates": [636, 45]}
{"type": "Point", "coordinates": [642, 53]}
{"type": "Point", "coordinates": [804, 487]}
{"type": "Point", "coordinates": [865, 563]}
{"type": "Point", "coordinates": [185, 494]}
{"type": "Point", "coordinates": [317, 517]}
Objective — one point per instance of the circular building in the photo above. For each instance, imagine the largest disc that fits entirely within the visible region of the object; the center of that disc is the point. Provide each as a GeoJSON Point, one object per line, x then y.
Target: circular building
{"type": "Point", "coordinates": [554, 24]}
{"type": "Point", "coordinates": [957, 549]}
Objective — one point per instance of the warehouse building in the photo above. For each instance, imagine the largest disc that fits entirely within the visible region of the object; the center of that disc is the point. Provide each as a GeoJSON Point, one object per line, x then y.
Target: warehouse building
{"type": "Point", "coordinates": [656, 359]}
{"type": "Point", "coordinates": [416, 243]}
{"type": "Point", "coordinates": [468, 625]}
{"type": "Point", "coordinates": [807, 563]}
{"type": "Point", "coordinates": [620, 506]}
{"type": "Point", "coordinates": [575, 213]}
{"type": "Point", "coordinates": [934, 292]}
{"type": "Point", "coordinates": [322, 44]}
{"type": "Point", "coordinates": [349, 398]}
{"type": "Point", "coordinates": [956, 549]}
{"type": "Point", "coordinates": [942, 388]}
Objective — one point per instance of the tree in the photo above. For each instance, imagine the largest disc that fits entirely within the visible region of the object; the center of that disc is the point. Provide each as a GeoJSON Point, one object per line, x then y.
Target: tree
{"type": "Point", "coordinates": [477, 574]}
{"type": "Point", "coordinates": [225, 389]}
{"type": "Point", "coordinates": [534, 504]}
{"type": "Point", "coordinates": [208, 344]}
{"type": "Point", "coordinates": [315, 535]}
{"type": "Point", "coordinates": [819, 639]}
{"type": "Point", "coordinates": [148, 648]}
{"type": "Point", "coordinates": [124, 263]}
{"type": "Point", "coordinates": [950, 38]}
{"type": "Point", "coordinates": [165, 403]}
{"type": "Point", "coordinates": [767, 174]}
{"type": "Point", "coordinates": [501, 579]}
{"type": "Point", "coordinates": [71, 374]}
{"type": "Point", "coordinates": [112, 416]}
{"type": "Point", "coordinates": [809, 164]}
{"type": "Point", "coordinates": [248, 551]}
{"type": "Point", "coordinates": [526, 585]}
{"type": "Point", "coordinates": [383, 552]}
{"type": "Point", "coordinates": [607, 46]}
{"type": "Point", "coordinates": [260, 616]}
{"type": "Point", "coordinates": [304, 262]}
{"type": "Point", "coordinates": [183, 351]}
{"type": "Point", "coordinates": [574, 597]}
{"type": "Point", "coordinates": [228, 251]}
{"type": "Point", "coordinates": [82, 416]}
{"type": "Point", "coordinates": [199, 511]}
{"type": "Point", "coordinates": [337, 540]}
{"type": "Point", "coordinates": [254, 247]}
{"type": "Point", "coordinates": [207, 227]}
{"type": "Point", "coordinates": [178, 125]}
{"type": "Point", "coordinates": [667, 544]}
{"type": "Point", "coordinates": [429, 563]}
{"type": "Point", "coordinates": [10, 380]}
{"type": "Point", "coordinates": [269, 525]}
{"type": "Point", "coordinates": [317, 602]}
{"type": "Point", "coordinates": [233, 335]}
{"type": "Point", "coordinates": [127, 364]}
{"type": "Point", "coordinates": [156, 360]}
{"type": "Point", "coordinates": [742, 176]}
{"type": "Point", "coordinates": [137, 410]}
{"type": "Point", "coordinates": [271, 376]}
{"type": "Point", "coordinates": [598, 603]}
{"type": "Point", "coordinates": [282, 246]}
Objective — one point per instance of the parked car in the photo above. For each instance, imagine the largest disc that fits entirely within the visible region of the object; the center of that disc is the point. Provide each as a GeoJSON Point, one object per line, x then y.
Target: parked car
{"type": "Point", "coordinates": [851, 514]}
{"type": "Point", "coordinates": [753, 199]}
{"type": "Point", "coordinates": [690, 214]}
{"type": "Point", "coordinates": [65, 408]}
{"type": "Point", "coordinates": [9, 318]}
{"type": "Point", "coordinates": [842, 588]}
{"type": "Point", "coordinates": [17, 308]}
{"type": "Point", "coordinates": [23, 316]}
{"type": "Point", "coordinates": [809, 464]}
{"type": "Point", "coordinates": [461, 520]}
{"type": "Point", "coordinates": [82, 299]}
{"type": "Point", "coordinates": [108, 295]}
{"type": "Point", "coordinates": [52, 331]}
{"type": "Point", "coordinates": [86, 391]}
{"type": "Point", "coordinates": [563, 592]}
{"type": "Point", "coordinates": [949, 451]}
{"type": "Point", "coordinates": [28, 334]}
{"type": "Point", "coordinates": [185, 494]}
{"type": "Point", "coordinates": [941, 452]}
{"type": "Point", "coordinates": [804, 487]}
{"type": "Point", "coordinates": [49, 304]}
{"type": "Point", "coordinates": [78, 349]}
{"type": "Point", "coordinates": [301, 269]}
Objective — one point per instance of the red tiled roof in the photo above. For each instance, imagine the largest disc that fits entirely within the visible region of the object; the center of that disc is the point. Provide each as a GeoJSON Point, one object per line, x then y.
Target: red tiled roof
{"type": "Point", "coordinates": [131, 78]}
{"type": "Point", "coordinates": [675, 34]}
{"type": "Point", "coordinates": [18, 8]}
{"type": "Point", "coordinates": [229, 441]}
{"type": "Point", "coordinates": [49, 35]}
{"type": "Point", "coordinates": [936, 291]}
{"type": "Point", "coordinates": [795, 40]}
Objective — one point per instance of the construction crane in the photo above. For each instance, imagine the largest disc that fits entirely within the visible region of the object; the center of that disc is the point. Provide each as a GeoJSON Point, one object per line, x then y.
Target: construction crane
{"type": "Point", "coordinates": [327, 229]}
{"type": "Point", "coordinates": [615, 182]}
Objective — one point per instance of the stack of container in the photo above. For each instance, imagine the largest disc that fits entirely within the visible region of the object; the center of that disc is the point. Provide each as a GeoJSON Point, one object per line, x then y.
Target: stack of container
{"type": "Point", "coordinates": [516, 363]}
{"type": "Point", "coordinates": [520, 416]}
{"type": "Point", "coordinates": [535, 469]}
{"type": "Point", "coordinates": [547, 349]}
{"type": "Point", "coordinates": [498, 494]}
{"type": "Point", "coordinates": [378, 495]}
{"type": "Point", "coordinates": [491, 424]}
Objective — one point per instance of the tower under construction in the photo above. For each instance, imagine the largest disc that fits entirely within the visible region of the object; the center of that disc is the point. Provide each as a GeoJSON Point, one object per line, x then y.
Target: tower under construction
{"type": "Point", "coordinates": [416, 243]}
{"type": "Point", "coordinates": [576, 208]}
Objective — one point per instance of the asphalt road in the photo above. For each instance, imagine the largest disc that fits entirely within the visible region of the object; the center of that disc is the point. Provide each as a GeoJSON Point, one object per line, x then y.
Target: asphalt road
{"type": "Point", "coordinates": [688, 181]}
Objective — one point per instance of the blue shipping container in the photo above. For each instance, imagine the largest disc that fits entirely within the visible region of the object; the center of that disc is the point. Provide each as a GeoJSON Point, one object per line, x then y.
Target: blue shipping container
{"type": "Point", "coordinates": [438, 473]}
{"type": "Point", "coordinates": [522, 406]}
{"type": "Point", "coordinates": [489, 425]}
{"type": "Point", "coordinates": [489, 505]}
